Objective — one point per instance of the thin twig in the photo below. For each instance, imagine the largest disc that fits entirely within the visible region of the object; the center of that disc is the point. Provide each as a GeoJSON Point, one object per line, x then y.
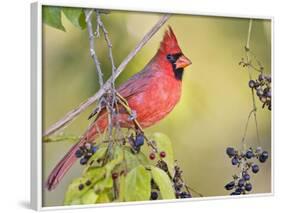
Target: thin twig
{"type": "Point", "coordinates": [193, 190]}
{"type": "Point", "coordinates": [88, 19]}
{"type": "Point", "coordinates": [112, 102]}
{"type": "Point", "coordinates": [254, 107]}
{"type": "Point", "coordinates": [83, 106]}
{"type": "Point", "coordinates": [59, 138]}
{"type": "Point", "coordinates": [246, 129]}
{"type": "Point", "coordinates": [107, 39]}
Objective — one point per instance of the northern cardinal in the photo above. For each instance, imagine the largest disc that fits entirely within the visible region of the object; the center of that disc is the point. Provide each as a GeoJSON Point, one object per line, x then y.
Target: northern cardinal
{"type": "Point", "coordinates": [151, 93]}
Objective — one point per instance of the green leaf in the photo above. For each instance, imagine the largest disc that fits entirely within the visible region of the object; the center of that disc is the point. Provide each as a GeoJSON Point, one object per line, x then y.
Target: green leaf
{"type": "Point", "coordinates": [75, 16]}
{"type": "Point", "coordinates": [162, 180]}
{"type": "Point", "coordinates": [89, 198]}
{"type": "Point", "coordinates": [52, 17]}
{"type": "Point", "coordinates": [137, 184]}
{"type": "Point", "coordinates": [133, 160]}
{"type": "Point", "coordinates": [164, 144]}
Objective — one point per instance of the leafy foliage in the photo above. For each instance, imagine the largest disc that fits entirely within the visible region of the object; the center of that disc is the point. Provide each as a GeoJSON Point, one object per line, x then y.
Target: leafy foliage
{"type": "Point", "coordinates": [123, 172]}
{"type": "Point", "coordinates": [75, 16]}
{"type": "Point", "coordinates": [52, 16]}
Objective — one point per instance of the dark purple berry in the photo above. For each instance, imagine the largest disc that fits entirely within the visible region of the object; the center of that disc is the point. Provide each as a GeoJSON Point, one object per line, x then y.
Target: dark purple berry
{"type": "Point", "coordinates": [241, 182]}
{"type": "Point", "coordinates": [81, 186]}
{"type": "Point", "coordinates": [230, 151]}
{"type": "Point", "coordinates": [230, 185]}
{"type": "Point", "coordinates": [246, 176]}
{"type": "Point", "coordinates": [79, 153]}
{"type": "Point", "coordinates": [88, 183]}
{"type": "Point", "coordinates": [139, 140]}
{"type": "Point", "coordinates": [154, 196]}
{"type": "Point", "coordinates": [162, 154]}
{"type": "Point", "coordinates": [263, 157]}
{"type": "Point", "coordinates": [249, 154]}
{"type": "Point", "coordinates": [234, 161]}
{"type": "Point", "coordinates": [252, 84]}
{"type": "Point", "coordinates": [259, 92]}
{"type": "Point", "coordinates": [185, 195]}
{"type": "Point", "coordinates": [268, 94]}
{"type": "Point", "coordinates": [248, 187]}
{"type": "Point", "coordinates": [83, 161]}
{"type": "Point", "coordinates": [257, 84]}
{"type": "Point", "coordinates": [255, 168]}
{"type": "Point", "coordinates": [239, 190]}
{"type": "Point", "coordinates": [235, 193]}
{"type": "Point", "coordinates": [94, 149]}
{"type": "Point", "coordinates": [261, 77]}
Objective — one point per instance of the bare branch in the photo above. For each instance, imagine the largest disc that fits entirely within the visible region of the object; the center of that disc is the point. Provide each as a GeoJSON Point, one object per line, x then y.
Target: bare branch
{"type": "Point", "coordinates": [83, 106]}
{"type": "Point", "coordinates": [107, 39]}
{"type": "Point", "coordinates": [113, 102]}
{"type": "Point", "coordinates": [254, 107]}
{"type": "Point", "coordinates": [88, 15]}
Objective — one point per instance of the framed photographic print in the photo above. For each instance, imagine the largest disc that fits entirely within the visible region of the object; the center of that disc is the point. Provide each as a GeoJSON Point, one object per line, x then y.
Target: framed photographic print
{"type": "Point", "coordinates": [140, 106]}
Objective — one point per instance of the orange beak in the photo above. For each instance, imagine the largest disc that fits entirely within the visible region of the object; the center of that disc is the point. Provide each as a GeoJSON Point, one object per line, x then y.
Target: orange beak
{"type": "Point", "coordinates": [182, 62]}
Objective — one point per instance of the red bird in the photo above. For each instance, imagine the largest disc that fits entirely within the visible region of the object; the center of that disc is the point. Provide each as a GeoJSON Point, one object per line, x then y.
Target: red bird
{"type": "Point", "coordinates": [151, 93]}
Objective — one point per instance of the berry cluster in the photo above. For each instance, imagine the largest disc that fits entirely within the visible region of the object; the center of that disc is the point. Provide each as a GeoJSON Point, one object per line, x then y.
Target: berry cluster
{"type": "Point", "coordinates": [241, 183]}
{"type": "Point", "coordinates": [152, 155]}
{"type": "Point", "coordinates": [85, 152]}
{"type": "Point", "coordinates": [263, 89]}
{"type": "Point", "coordinates": [81, 186]}
{"type": "Point", "coordinates": [179, 185]}
{"type": "Point", "coordinates": [180, 188]}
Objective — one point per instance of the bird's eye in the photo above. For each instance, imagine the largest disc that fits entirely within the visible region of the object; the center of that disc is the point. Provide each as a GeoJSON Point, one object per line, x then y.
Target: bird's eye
{"type": "Point", "coordinates": [170, 57]}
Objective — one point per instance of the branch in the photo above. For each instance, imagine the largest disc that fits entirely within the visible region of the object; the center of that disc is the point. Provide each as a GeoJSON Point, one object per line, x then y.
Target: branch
{"type": "Point", "coordinates": [59, 138]}
{"type": "Point", "coordinates": [254, 107]}
{"type": "Point", "coordinates": [109, 104]}
{"type": "Point", "coordinates": [88, 15]}
{"type": "Point", "coordinates": [83, 106]}
{"type": "Point", "coordinates": [107, 39]}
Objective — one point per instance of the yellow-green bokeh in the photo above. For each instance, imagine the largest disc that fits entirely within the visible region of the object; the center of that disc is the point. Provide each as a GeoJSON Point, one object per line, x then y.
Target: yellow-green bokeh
{"type": "Point", "coordinates": [215, 101]}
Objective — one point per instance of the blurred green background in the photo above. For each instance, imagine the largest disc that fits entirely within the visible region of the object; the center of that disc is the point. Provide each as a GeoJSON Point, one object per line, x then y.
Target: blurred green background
{"type": "Point", "coordinates": [215, 101]}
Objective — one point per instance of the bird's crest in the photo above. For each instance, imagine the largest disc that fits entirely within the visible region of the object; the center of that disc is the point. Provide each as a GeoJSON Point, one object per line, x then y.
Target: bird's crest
{"type": "Point", "coordinates": [169, 43]}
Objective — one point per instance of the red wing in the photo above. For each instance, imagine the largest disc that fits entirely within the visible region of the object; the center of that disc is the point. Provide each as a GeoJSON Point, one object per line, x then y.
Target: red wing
{"type": "Point", "coordinates": [138, 83]}
{"type": "Point", "coordinates": [135, 85]}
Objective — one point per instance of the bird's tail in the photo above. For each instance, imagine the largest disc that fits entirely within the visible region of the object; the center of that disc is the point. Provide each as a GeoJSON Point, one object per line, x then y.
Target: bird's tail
{"type": "Point", "coordinates": [67, 161]}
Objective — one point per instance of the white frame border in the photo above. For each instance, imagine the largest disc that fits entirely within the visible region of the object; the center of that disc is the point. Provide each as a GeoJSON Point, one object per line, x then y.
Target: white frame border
{"type": "Point", "coordinates": [36, 97]}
